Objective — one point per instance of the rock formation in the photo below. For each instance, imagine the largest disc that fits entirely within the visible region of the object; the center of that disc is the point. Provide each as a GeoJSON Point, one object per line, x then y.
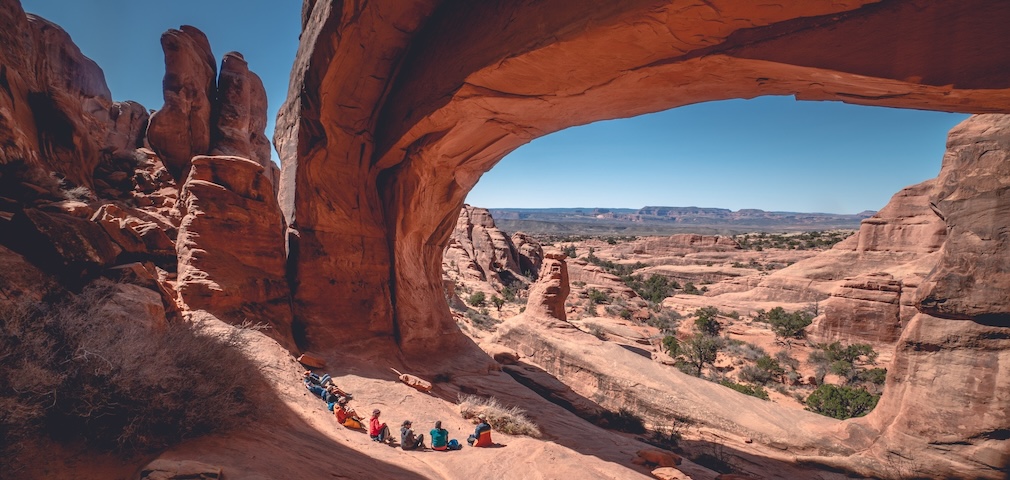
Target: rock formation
{"type": "Point", "coordinates": [231, 257]}
{"type": "Point", "coordinates": [180, 129]}
{"type": "Point", "coordinates": [547, 296]}
{"type": "Point", "coordinates": [480, 251]}
{"type": "Point", "coordinates": [946, 397]}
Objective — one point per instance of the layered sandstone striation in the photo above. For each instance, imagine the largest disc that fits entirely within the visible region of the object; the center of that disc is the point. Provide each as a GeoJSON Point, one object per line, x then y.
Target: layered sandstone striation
{"type": "Point", "coordinates": [231, 258]}
{"type": "Point", "coordinates": [479, 251]}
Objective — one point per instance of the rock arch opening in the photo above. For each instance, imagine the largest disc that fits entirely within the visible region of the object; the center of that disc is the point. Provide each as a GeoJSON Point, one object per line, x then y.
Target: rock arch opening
{"type": "Point", "coordinates": [395, 111]}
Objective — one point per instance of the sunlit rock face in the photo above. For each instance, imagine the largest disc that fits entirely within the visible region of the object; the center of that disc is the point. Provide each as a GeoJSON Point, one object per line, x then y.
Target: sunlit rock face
{"type": "Point", "coordinates": [478, 250]}
{"type": "Point", "coordinates": [396, 109]}
{"type": "Point", "coordinates": [423, 97]}
{"type": "Point", "coordinates": [549, 292]}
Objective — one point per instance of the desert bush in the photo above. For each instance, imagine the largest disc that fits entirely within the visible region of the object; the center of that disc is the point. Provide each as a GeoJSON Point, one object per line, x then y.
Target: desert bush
{"type": "Point", "coordinates": [510, 420]}
{"type": "Point", "coordinates": [69, 374]}
{"type": "Point", "coordinates": [482, 321]}
{"type": "Point", "coordinates": [596, 330]}
{"type": "Point", "coordinates": [598, 297]}
{"type": "Point", "coordinates": [841, 402]}
{"type": "Point", "coordinates": [476, 299]}
{"type": "Point", "coordinates": [665, 320]}
{"type": "Point", "coordinates": [623, 420]}
{"type": "Point", "coordinates": [744, 350]}
{"type": "Point", "coordinates": [752, 390]}
{"type": "Point", "coordinates": [763, 371]}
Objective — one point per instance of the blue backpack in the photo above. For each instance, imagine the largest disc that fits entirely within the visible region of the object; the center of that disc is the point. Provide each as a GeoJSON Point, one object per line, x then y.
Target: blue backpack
{"type": "Point", "coordinates": [454, 445]}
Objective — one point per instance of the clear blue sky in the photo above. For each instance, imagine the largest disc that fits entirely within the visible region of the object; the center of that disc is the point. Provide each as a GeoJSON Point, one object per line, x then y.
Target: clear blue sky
{"type": "Point", "coordinates": [772, 153]}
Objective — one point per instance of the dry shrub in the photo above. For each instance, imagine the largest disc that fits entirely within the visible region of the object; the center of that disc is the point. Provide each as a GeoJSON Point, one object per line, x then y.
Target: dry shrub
{"type": "Point", "coordinates": [510, 420]}
{"type": "Point", "coordinates": [70, 375]}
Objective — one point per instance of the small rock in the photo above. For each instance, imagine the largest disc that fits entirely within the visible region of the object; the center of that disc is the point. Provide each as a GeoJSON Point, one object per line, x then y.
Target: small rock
{"type": "Point", "coordinates": [670, 473]}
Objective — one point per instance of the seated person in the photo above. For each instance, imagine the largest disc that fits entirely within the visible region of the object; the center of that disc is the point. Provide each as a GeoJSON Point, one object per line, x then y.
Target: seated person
{"type": "Point", "coordinates": [377, 430]}
{"type": "Point", "coordinates": [482, 434]}
{"type": "Point", "coordinates": [407, 439]}
{"type": "Point", "coordinates": [346, 416]}
{"type": "Point", "coordinates": [333, 394]}
{"type": "Point", "coordinates": [439, 437]}
{"type": "Point", "coordinates": [315, 379]}
{"type": "Point", "coordinates": [315, 389]}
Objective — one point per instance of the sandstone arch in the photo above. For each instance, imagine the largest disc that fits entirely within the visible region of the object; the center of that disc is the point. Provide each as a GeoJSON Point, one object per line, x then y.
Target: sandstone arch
{"type": "Point", "coordinates": [395, 110]}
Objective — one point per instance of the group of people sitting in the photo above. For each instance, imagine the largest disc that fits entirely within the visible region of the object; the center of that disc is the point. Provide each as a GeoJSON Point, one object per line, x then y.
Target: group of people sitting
{"type": "Point", "coordinates": [337, 401]}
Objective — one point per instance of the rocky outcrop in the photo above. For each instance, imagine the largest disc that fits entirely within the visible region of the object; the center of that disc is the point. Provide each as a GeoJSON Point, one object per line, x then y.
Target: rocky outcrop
{"type": "Point", "coordinates": [905, 224]}
{"type": "Point", "coordinates": [205, 114]}
{"type": "Point", "coordinates": [230, 245]}
{"type": "Point", "coordinates": [680, 244]}
{"type": "Point", "coordinates": [241, 115]}
{"type": "Point", "coordinates": [57, 116]}
{"type": "Point", "coordinates": [594, 276]}
{"type": "Point", "coordinates": [548, 294]}
{"type": "Point", "coordinates": [480, 251]}
{"type": "Point", "coordinates": [864, 309]}
{"type": "Point", "coordinates": [529, 252]}
{"type": "Point", "coordinates": [180, 129]}
{"type": "Point", "coordinates": [972, 276]}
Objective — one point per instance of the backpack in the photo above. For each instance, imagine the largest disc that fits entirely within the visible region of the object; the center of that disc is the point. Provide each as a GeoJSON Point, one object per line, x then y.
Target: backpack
{"type": "Point", "coordinates": [454, 445]}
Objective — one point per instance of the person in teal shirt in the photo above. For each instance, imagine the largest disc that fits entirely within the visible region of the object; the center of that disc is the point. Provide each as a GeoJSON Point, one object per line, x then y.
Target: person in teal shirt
{"type": "Point", "coordinates": [439, 437]}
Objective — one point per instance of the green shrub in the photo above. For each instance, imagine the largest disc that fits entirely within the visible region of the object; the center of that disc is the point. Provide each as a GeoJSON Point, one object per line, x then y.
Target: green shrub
{"type": "Point", "coordinates": [476, 299]}
{"type": "Point", "coordinates": [665, 320]}
{"type": "Point", "coordinates": [841, 402]}
{"type": "Point", "coordinates": [598, 297]}
{"type": "Point", "coordinates": [752, 390]}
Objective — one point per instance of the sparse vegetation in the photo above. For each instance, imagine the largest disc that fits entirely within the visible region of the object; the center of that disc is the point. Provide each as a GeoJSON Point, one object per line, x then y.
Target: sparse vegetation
{"type": "Point", "coordinates": [69, 374]}
{"type": "Point", "coordinates": [792, 241]}
{"type": "Point", "coordinates": [786, 325]}
{"type": "Point", "coordinates": [841, 402]}
{"type": "Point", "coordinates": [510, 420]}
{"type": "Point", "coordinates": [476, 299]}
{"type": "Point", "coordinates": [623, 420]}
{"type": "Point", "coordinates": [752, 390]}
{"type": "Point", "coordinates": [598, 297]}
{"type": "Point", "coordinates": [596, 331]}
{"type": "Point", "coordinates": [482, 320]}
{"type": "Point", "coordinates": [706, 322]}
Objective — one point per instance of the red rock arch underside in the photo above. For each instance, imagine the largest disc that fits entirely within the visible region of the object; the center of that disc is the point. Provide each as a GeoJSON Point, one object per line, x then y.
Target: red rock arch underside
{"type": "Point", "coordinates": [397, 108]}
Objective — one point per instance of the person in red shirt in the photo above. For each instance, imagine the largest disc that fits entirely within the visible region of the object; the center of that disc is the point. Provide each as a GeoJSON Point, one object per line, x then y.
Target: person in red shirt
{"type": "Point", "coordinates": [378, 430]}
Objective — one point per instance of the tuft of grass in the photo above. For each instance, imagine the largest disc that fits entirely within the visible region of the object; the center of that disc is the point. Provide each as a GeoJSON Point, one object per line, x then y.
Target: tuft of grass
{"type": "Point", "coordinates": [510, 420]}
{"type": "Point", "coordinates": [597, 331]}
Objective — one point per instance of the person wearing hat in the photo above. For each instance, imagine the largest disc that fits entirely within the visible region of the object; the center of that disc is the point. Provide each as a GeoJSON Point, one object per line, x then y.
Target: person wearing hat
{"type": "Point", "coordinates": [346, 416]}
{"type": "Point", "coordinates": [378, 430]}
{"type": "Point", "coordinates": [482, 434]}
{"type": "Point", "coordinates": [407, 439]}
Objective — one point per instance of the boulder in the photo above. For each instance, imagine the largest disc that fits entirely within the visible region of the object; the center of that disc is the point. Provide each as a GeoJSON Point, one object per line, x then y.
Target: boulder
{"type": "Point", "coordinates": [230, 245]}
{"type": "Point", "coordinates": [670, 473]}
{"type": "Point", "coordinates": [659, 457]}
{"type": "Point", "coordinates": [63, 244]}
{"type": "Point", "coordinates": [529, 252]}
